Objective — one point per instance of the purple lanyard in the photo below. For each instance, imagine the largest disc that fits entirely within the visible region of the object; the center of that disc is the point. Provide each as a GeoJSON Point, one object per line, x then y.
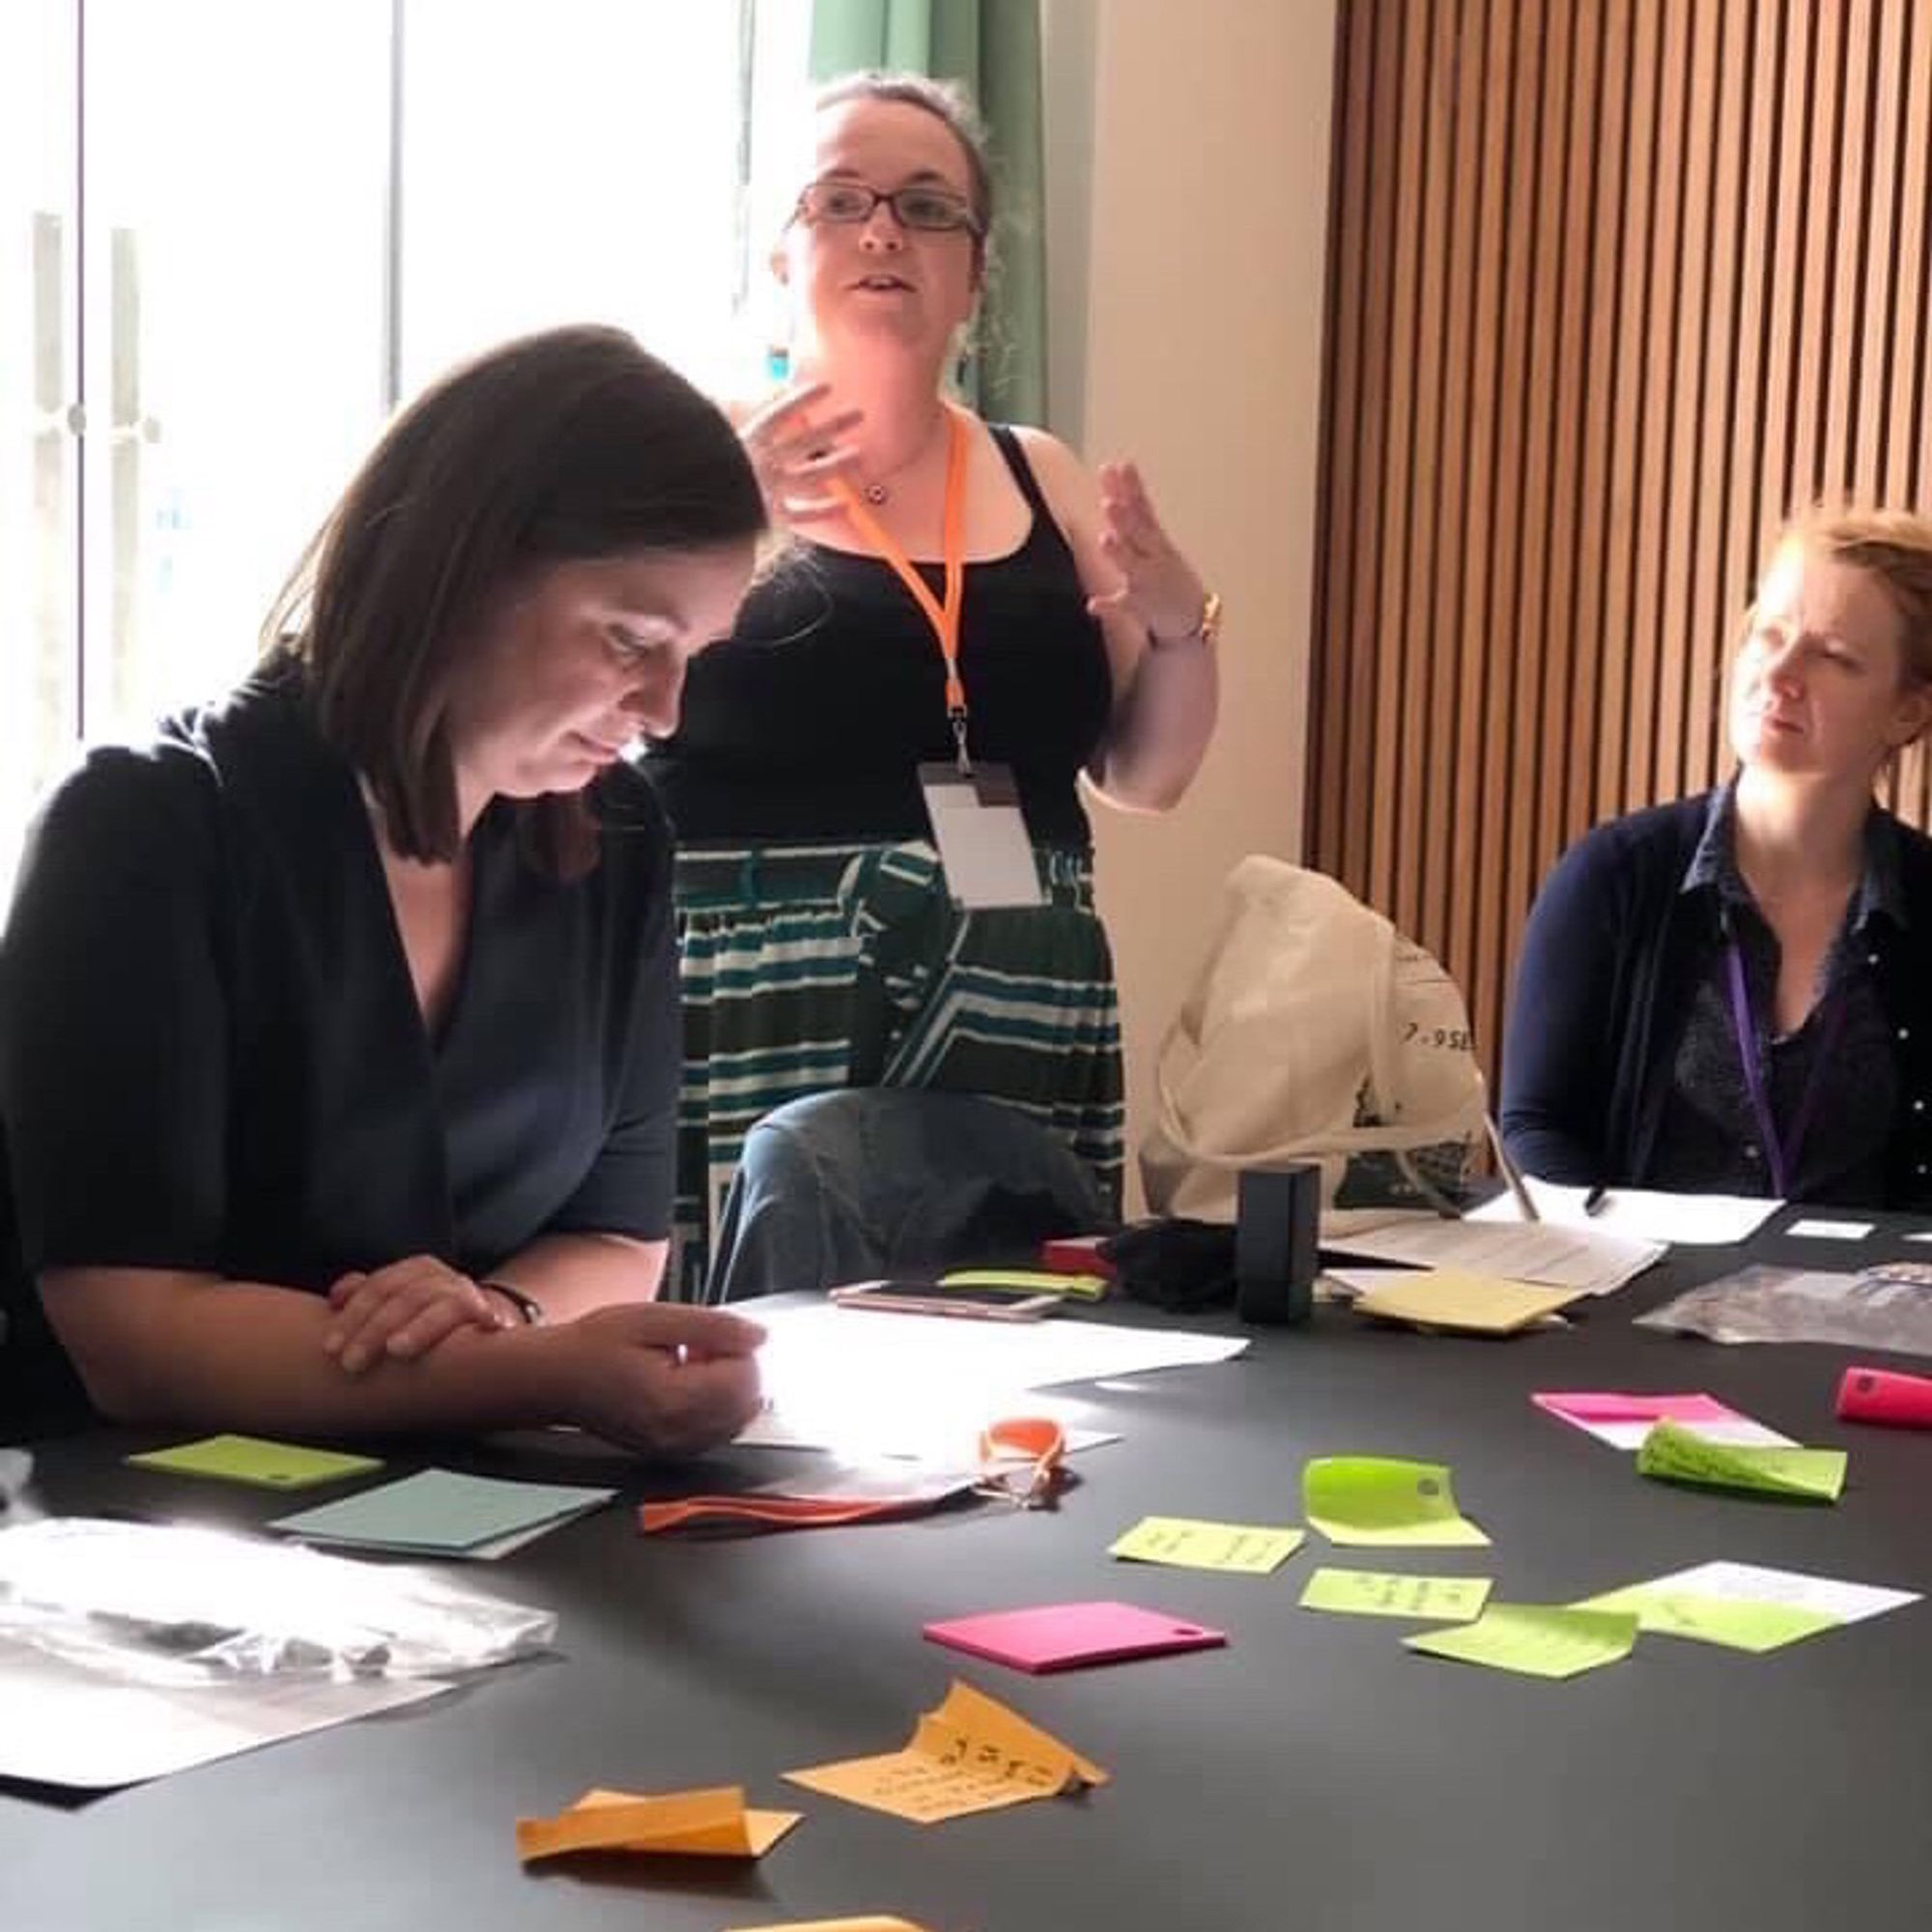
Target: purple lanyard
{"type": "Point", "coordinates": [1778, 1153]}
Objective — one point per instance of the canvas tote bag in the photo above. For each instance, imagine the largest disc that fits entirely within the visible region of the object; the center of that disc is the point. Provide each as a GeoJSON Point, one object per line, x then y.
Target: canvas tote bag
{"type": "Point", "coordinates": [1313, 1032]}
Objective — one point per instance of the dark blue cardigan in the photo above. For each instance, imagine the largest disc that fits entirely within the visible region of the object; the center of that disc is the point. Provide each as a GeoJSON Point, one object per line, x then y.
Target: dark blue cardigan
{"type": "Point", "coordinates": [1610, 959]}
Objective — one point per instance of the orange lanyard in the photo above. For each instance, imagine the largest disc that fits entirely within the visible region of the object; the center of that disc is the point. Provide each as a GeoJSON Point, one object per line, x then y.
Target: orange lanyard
{"type": "Point", "coordinates": [943, 617]}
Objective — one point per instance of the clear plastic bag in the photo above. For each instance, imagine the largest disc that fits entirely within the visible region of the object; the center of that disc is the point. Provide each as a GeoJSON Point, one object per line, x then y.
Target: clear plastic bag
{"type": "Point", "coordinates": [170, 1604]}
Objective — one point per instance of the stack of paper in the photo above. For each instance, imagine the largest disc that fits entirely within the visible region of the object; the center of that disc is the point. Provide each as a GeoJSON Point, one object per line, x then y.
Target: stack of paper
{"type": "Point", "coordinates": [439, 1513]}
{"type": "Point", "coordinates": [1573, 1257]}
{"type": "Point", "coordinates": [1639, 1213]}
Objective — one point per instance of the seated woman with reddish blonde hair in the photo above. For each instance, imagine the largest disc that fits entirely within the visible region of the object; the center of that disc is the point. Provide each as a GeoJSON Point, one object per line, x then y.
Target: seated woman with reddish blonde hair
{"type": "Point", "coordinates": [1733, 993]}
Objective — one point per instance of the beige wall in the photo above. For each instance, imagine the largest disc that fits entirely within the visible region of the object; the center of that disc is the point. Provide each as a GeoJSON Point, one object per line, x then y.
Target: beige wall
{"type": "Point", "coordinates": [1187, 157]}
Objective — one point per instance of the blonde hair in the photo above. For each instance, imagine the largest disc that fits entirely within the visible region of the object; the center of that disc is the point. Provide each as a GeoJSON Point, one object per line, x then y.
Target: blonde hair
{"type": "Point", "coordinates": [1895, 547]}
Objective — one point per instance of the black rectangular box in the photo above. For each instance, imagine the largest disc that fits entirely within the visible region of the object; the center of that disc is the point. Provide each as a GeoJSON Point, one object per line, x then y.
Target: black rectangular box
{"type": "Point", "coordinates": [1278, 1214]}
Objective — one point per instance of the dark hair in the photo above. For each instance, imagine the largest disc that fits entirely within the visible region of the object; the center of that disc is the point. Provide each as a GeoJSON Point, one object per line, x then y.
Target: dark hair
{"type": "Point", "coordinates": [562, 446]}
{"type": "Point", "coordinates": [946, 102]}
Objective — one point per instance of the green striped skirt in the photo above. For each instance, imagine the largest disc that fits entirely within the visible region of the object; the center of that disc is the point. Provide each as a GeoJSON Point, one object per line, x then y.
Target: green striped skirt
{"type": "Point", "coordinates": [813, 967]}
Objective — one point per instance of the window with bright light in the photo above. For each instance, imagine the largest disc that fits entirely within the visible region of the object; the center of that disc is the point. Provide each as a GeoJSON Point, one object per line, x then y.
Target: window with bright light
{"type": "Point", "coordinates": [274, 246]}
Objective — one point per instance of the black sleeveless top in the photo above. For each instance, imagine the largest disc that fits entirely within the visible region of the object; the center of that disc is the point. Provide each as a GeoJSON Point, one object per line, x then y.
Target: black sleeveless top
{"type": "Point", "coordinates": [808, 722]}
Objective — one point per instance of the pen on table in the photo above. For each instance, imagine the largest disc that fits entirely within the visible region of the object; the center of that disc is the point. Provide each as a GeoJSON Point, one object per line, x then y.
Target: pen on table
{"type": "Point", "coordinates": [1597, 1198]}
{"type": "Point", "coordinates": [1508, 1169]}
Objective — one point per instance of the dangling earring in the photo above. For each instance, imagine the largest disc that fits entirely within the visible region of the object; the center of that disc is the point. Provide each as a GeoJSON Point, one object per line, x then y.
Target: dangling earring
{"type": "Point", "coordinates": [778, 362]}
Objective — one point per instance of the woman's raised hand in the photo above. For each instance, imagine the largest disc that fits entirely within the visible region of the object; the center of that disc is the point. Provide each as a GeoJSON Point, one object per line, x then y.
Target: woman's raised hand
{"type": "Point", "coordinates": [1158, 587]}
{"type": "Point", "coordinates": [797, 451]}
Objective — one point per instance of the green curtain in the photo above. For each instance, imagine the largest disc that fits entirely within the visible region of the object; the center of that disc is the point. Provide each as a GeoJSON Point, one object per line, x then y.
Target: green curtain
{"type": "Point", "coordinates": [992, 48]}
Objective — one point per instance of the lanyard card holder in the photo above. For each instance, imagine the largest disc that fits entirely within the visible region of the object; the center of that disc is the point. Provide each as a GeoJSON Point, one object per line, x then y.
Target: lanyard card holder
{"type": "Point", "coordinates": [984, 847]}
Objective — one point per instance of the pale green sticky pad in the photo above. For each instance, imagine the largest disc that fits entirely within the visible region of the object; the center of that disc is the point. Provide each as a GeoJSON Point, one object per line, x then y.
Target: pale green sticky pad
{"type": "Point", "coordinates": [1737, 1624]}
{"type": "Point", "coordinates": [1537, 1640]}
{"type": "Point", "coordinates": [1030, 1281]}
{"type": "Point", "coordinates": [438, 1510]}
{"type": "Point", "coordinates": [253, 1459]}
{"type": "Point", "coordinates": [1250, 1550]}
{"type": "Point", "coordinates": [1384, 1593]}
{"type": "Point", "coordinates": [1381, 1499]}
{"type": "Point", "coordinates": [1678, 1456]}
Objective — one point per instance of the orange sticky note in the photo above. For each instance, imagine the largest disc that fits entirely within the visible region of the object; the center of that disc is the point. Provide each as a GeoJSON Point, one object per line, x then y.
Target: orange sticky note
{"type": "Point", "coordinates": [709, 1824]}
{"type": "Point", "coordinates": [971, 1754]}
{"type": "Point", "coordinates": [871, 1921]}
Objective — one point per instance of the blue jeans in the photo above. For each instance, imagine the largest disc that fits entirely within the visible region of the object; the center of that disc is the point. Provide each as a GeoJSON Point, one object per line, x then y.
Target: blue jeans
{"type": "Point", "coordinates": [883, 1181]}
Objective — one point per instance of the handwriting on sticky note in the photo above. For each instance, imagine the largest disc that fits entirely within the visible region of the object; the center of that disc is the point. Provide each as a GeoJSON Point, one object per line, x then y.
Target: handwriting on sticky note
{"type": "Point", "coordinates": [1749, 1607]}
{"type": "Point", "coordinates": [1379, 1593]}
{"type": "Point", "coordinates": [1535, 1639]}
{"type": "Point", "coordinates": [1249, 1549]}
{"type": "Point", "coordinates": [1736, 1625]}
{"type": "Point", "coordinates": [971, 1754]}
{"type": "Point", "coordinates": [707, 1824]}
{"type": "Point", "coordinates": [1383, 1499]}
{"type": "Point", "coordinates": [255, 1460]}
{"type": "Point", "coordinates": [1675, 1455]}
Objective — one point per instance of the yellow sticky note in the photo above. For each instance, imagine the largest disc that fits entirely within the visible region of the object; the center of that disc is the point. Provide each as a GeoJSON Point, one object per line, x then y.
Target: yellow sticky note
{"type": "Point", "coordinates": [257, 1461]}
{"type": "Point", "coordinates": [971, 1754]}
{"type": "Point", "coordinates": [1478, 1304]}
{"type": "Point", "coordinates": [871, 1921]}
{"type": "Point", "coordinates": [1249, 1549]}
{"type": "Point", "coordinates": [1737, 1623]}
{"type": "Point", "coordinates": [1383, 1499]}
{"type": "Point", "coordinates": [1679, 1456]}
{"type": "Point", "coordinates": [1536, 1640]}
{"type": "Point", "coordinates": [1382, 1593]}
{"type": "Point", "coordinates": [711, 1823]}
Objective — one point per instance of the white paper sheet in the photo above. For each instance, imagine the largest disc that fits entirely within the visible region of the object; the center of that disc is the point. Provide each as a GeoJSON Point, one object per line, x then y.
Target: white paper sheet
{"type": "Point", "coordinates": [1753, 1583]}
{"type": "Point", "coordinates": [1556, 1257]}
{"type": "Point", "coordinates": [847, 1379]}
{"type": "Point", "coordinates": [1830, 1231]}
{"type": "Point", "coordinates": [1640, 1213]}
{"type": "Point", "coordinates": [63, 1724]}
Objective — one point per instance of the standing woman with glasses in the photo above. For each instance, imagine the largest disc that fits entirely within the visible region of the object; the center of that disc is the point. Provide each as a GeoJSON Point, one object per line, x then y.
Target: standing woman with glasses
{"type": "Point", "coordinates": [962, 594]}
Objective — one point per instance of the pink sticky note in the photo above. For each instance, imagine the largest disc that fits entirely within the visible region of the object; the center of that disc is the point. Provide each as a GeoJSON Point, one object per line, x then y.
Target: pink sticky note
{"type": "Point", "coordinates": [1060, 1637]}
{"type": "Point", "coordinates": [1604, 1406]}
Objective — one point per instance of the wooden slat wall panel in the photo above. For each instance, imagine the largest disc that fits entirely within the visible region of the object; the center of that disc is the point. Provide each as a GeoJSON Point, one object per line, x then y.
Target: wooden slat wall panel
{"type": "Point", "coordinates": [1615, 285]}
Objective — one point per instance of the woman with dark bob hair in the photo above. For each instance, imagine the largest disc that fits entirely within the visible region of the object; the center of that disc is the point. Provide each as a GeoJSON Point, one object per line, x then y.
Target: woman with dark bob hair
{"type": "Point", "coordinates": [338, 1024]}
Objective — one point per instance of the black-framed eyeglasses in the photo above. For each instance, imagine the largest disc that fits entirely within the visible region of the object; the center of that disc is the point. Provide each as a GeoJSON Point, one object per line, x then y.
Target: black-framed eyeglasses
{"type": "Point", "coordinates": [932, 210]}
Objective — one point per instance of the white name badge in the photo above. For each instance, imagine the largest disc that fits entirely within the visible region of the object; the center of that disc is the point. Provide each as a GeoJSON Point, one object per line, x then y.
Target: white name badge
{"type": "Point", "coordinates": [982, 841]}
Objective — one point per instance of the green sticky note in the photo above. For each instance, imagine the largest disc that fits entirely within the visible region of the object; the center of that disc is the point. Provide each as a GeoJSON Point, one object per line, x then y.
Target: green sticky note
{"type": "Point", "coordinates": [1030, 1281]}
{"type": "Point", "coordinates": [252, 1459]}
{"type": "Point", "coordinates": [440, 1512]}
{"type": "Point", "coordinates": [1537, 1640]}
{"type": "Point", "coordinates": [1739, 1623]}
{"type": "Point", "coordinates": [1677, 1455]}
{"type": "Point", "coordinates": [1250, 1550]}
{"type": "Point", "coordinates": [1380, 1499]}
{"type": "Point", "coordinates": [1383, 1593]}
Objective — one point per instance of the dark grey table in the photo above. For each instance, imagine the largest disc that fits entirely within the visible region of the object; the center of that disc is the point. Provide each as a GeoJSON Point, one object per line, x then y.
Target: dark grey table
{"type": "Point", "coordinates": [1312, 1774]}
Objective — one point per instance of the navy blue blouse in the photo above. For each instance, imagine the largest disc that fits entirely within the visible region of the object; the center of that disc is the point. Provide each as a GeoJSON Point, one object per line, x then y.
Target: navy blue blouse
{"type": "Point", "coordinates": [211, 1056]}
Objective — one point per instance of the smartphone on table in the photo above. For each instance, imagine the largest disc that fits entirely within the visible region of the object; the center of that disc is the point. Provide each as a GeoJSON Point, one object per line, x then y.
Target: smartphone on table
{"type": "Point", "coordinates": [928, 1297]}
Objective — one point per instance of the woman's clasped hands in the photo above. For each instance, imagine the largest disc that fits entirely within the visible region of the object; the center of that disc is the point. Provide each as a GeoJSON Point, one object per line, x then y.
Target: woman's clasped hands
{"type": "Point", "coordinates": [660, 1378]}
